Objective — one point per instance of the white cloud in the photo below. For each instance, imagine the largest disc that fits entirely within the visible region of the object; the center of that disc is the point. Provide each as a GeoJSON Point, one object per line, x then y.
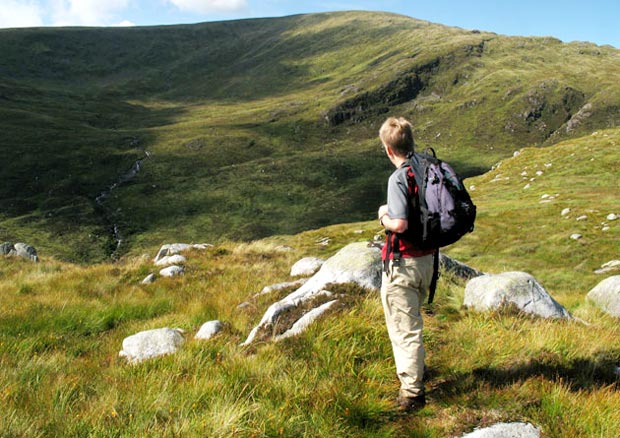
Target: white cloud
{"type": "Point", "coordinates": [85, 12]}
{"type": "Point", "coordinates": [20, 13]}
{"type": "Point", "coordinates": [210, 6]}
{"type": "Point", "coordinates": [125, 23]}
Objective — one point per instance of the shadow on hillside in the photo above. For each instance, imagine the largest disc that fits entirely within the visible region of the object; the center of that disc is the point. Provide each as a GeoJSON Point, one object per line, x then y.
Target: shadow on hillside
{"type": "Point", "coordinates": [575, 375]}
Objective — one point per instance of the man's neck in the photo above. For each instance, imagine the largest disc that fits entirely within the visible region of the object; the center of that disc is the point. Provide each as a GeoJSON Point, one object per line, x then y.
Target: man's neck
{"type": "Point", "coordinates": [397, 161]}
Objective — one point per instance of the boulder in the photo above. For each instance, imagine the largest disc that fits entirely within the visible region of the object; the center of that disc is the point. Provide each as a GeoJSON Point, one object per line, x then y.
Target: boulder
{"type": "Point", "coordinates": [355, 263]}
{"type": "Point", "coordinates": [151, 343]}
{"type": "Point", "coordinates": [506, 430]}
{"type": "Point", "coordinates": [490, 292]}
{"type": "Point", "coordinates": [176, 259]}
{"type": "Point", "coordinates": [26, 251]}
{"type": "Point", "coordinates": [306, 266]}
{"type": "Point", "coordinates": [606, 295]}
{"type": "Point", "coordinates": [20, 249]}
{"type": "Point", "coordinates": [172, 271]}
{"type": "Point", "coordinates": [208, 330]}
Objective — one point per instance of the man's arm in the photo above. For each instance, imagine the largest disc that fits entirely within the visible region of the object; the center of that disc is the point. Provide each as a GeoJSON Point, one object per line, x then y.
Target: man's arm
{"type": "Point", "coordinates": [395, 225]}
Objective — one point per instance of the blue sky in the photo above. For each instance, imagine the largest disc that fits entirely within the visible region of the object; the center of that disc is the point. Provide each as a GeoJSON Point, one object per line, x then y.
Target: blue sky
{"type": "Point", "coordinates": [568, 20]}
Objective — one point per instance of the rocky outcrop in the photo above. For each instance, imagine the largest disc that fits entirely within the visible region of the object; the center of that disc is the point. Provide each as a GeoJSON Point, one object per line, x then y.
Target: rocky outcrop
{"type": "Point", "coordinates": [606, 295]}
{"type": "Point", "coordinates": [151, 343]}
{"type": "Point", "coordinates": [492, 292]}
{"type": "Point", "coordinates": [356, 263]}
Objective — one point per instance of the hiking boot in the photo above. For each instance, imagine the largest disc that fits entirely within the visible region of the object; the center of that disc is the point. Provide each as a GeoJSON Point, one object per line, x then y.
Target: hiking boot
{"type": "Point", "coordinates": [411, 404]}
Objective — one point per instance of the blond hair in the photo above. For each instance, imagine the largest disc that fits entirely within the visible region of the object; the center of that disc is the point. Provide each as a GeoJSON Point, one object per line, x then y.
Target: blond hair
{"type": "Point", "coordinates": [397, 134]}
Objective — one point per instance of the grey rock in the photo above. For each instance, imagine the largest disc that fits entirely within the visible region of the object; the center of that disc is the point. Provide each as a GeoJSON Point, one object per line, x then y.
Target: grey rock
{"type": "Point", "coordinates": [489, 292]}
{"type": "Point", "coordinates": [613, 265]}
{"type": "Point", "coordinates": [6, 248]}
{"type": "Point", "coordinates": [279, 286]}
{"type": "Point", "coordinates": [176, 248]}
{"type": "Point", "coordinates": [172, 271]}
{"type": "Point", "coordinates": [208, 330]}
{"type": "Point", "coordinates": [22, 250]}
{"type": "Point", "coordinates": [506, 430]}
{"type": "Point", "coordinates": [306, 320]}
{"type": "Point", "coordinates": [151, 343]}
{"type": "Point", "coordinates": [457, 268]}
{"type": "Point", "coordinates": [176, 259]}
{"type": "Point", "coordinates": [306, 266]}
{"type": "Point", "coordinates": [149, 279]}
{"type": "Point", "coordinates": [606, 295]}
{"type": "Point", "coordinates": [355, 263]}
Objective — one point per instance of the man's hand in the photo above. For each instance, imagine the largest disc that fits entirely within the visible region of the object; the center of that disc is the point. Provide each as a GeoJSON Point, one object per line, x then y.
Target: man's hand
{"type": "Point", "coordinates": [382, 211]}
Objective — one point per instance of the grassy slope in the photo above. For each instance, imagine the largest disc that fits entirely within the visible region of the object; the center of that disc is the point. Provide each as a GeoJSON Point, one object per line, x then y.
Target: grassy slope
{"type": "Point", "coordinates": [234, 116]}
{"type": "Point", "coordinates": [59, 338]}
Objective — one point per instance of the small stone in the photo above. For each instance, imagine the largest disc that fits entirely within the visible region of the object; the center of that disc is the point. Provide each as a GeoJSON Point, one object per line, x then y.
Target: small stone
{"type": "Point", "coordinates": [576, 236]}
{"type": "Point", "coordinates": [149, 279]}
{"type": "Point", "coordinates": [582, 218]}
{"type": "Point", "coordinates": [527, 186]}
{"type": "Point", "coordinates": [613, 265]}
{"type": "Point", "coordinates": [151, 343]}
{"type": "Point", "coordinates": [565, 212]}
{"type": "Point", "coordinates": [612, 217]}
{"type": "Point", "coordinates": [208, 330]}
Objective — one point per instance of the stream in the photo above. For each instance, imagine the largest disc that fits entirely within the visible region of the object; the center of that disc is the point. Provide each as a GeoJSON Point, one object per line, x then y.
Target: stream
{"type": "Point", "coordinates": [100, 200]}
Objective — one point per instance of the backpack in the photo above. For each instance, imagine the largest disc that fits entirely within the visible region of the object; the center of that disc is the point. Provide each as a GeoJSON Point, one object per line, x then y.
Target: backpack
{"type": "Point", "coordinates": [441, 212]}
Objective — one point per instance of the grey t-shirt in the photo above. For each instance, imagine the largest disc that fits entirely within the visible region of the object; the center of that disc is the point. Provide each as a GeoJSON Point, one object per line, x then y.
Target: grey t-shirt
{"type": "Point", "coordinates": [398, 207]}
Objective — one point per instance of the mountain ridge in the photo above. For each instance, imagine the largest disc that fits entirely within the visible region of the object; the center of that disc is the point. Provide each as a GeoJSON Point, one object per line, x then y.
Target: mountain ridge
{"type": "Point", "coordinates": [293, 102]}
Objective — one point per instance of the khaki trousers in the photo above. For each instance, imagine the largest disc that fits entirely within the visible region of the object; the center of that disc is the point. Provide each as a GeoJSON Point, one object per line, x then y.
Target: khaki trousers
{"type": "Point", "coordinates": [403, 289]}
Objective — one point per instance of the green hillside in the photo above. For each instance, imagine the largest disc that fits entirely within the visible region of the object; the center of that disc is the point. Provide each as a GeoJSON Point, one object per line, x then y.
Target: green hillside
{"type": "Point", "coordinates": [261, 127]}
{"type": "Point", "coordinates": [64, 325]}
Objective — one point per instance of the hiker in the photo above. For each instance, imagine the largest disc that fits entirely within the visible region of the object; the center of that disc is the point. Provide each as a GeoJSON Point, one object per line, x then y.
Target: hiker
{"type": "Point", "coordinates": [407, 271]}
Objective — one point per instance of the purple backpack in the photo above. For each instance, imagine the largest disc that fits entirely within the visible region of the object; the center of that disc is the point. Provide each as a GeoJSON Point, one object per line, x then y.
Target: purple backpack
{"type": "Point", "coordinates": [442, 212]}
